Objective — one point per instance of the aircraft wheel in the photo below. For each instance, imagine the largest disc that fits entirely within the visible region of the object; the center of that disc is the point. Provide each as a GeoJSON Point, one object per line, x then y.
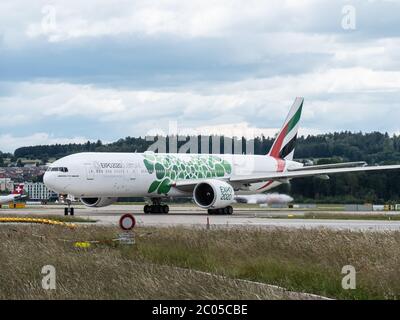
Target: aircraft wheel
{"type": "Point", "coordinates": [230, 209]}
{"type": "Point", "coordinates": [156, 209]}
{"type": "Point", "coordinates": [72, 211]}
{"type": "Point", "coordinates": [65, 211]}
{"type": "Point", "coordinates": [216, 211]}
{"type": "Point", "coordinates": [165, 209]}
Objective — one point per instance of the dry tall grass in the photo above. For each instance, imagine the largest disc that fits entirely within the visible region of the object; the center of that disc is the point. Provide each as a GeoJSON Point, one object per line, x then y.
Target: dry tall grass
{"type": "Point", "coordinates": [300, 260]}
{"type": "Point", "coordinates": [103, 271]}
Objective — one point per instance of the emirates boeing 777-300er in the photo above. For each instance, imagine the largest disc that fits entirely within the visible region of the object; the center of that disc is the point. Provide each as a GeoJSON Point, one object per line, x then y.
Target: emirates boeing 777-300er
{"type": "Point", "coordinates": [214, 181]}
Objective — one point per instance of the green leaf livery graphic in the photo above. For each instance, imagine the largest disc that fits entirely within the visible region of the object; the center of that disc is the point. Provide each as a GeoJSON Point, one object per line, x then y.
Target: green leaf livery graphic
{"type": "Point", "coordinates": [169, 168]}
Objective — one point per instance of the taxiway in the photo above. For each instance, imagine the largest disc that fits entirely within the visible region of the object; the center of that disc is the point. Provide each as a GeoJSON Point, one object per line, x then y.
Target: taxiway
{"type": "Point", "coordinates": [190, 216]}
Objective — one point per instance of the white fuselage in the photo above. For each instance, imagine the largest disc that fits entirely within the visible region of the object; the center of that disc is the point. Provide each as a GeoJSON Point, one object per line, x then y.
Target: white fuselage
{"type": "Point", "coordinates": [136, 174]}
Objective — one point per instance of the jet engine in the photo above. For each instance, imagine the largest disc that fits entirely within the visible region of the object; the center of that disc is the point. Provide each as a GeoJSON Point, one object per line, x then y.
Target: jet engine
{"type": "Point", "coordinates": [98, 202]}
{"type": "Point", "coordinates": [213, 194]}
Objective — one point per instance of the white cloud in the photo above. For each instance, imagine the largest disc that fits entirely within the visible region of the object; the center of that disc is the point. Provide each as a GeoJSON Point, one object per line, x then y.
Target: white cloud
{"type": "Point", "coordinates": [32, 101]}
{"type": "Point", "coordinates": [241, 97]}
{"type": "Point", "coordinates": [10, 142]}
{"type": "Point", "coordinates": [197, 18]}
{"type": "Point", "coordinates": [281, 49]}
{"type": "Point", "coordinates": [87, 103]}
{"type": "Point", "coordinates": [347, 98]}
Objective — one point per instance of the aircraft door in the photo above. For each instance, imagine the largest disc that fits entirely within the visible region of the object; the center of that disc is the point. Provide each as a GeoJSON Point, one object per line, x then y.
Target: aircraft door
{"type": "Point", "coordinates": [90, 170]}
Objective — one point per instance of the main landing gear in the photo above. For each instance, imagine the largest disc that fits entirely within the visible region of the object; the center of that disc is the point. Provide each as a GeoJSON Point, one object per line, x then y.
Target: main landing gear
{"type": "Point", "coordinates": [222, 211]}
{"type": "Point", "coordinates": [156, 207]}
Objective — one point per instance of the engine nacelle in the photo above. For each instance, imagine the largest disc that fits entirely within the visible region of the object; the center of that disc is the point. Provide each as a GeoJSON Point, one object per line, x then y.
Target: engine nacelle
{"type": "Point", "coordinates": [213, 194]}
{"type": "Point", "coordinates": [98, 202]}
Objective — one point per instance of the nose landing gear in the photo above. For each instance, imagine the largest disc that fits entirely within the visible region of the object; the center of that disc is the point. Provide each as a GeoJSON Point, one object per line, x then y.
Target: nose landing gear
{"type": "Point", "coordinates": [69, 210]}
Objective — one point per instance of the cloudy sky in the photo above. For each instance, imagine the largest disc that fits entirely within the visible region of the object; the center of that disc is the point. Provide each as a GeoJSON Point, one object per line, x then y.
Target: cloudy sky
{"type": "Point", "coordinates": [78, 70]}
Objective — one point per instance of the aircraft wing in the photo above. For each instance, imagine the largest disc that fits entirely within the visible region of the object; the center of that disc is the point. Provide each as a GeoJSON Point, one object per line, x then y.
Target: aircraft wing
{"type": "Point", "coordinates": [189, 185]}
{"type": "Point", "coordinates": [11, 197]}
{"type": "Point", "coordinates": [276, 176]}
{"type": "Point", "coordinates": [332, 166]}
{"type": "Point", "coordinates": [6, 199]}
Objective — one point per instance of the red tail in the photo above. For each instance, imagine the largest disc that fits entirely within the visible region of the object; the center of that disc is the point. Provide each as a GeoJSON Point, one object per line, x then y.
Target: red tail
{"type": "Point", "coordinates": [19, 189]}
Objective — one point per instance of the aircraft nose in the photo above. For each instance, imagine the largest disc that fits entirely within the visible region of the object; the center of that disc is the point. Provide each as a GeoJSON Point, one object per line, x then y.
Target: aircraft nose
{"type": "Point", "coordinates": [48, 180]}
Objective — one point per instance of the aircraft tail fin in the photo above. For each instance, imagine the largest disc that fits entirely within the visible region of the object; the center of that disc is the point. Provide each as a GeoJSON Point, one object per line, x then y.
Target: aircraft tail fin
{"type": "Point", "coordinates": [285, 143]}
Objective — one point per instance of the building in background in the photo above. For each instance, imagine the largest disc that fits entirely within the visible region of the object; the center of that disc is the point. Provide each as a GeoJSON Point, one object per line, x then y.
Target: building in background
{"type": "Point", "coordinates": [38, 191]}
{"type": "Point", "coordinates": [6, 185]}
{"type": "Point", "coordinates": [19, 175]}
{"type": "Point", "coordinates": [28, 163]}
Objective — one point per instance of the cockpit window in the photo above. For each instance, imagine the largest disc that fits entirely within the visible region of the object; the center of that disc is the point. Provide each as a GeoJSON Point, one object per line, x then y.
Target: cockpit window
{"type": "Point", "coordinates": [58, 169]}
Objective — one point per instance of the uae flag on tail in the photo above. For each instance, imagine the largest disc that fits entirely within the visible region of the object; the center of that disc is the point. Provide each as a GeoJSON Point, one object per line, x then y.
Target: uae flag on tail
{"type": "Point", "coordinates": [285, 143]}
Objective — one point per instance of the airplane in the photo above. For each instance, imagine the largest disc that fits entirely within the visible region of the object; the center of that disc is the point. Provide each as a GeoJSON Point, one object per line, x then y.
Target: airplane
{"type": "Point", "coordinates": [211, 180]}
{"type": "Point", "coordinates": [16, 195]}
{"type": "Point", "coordinates": [271, 198]}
